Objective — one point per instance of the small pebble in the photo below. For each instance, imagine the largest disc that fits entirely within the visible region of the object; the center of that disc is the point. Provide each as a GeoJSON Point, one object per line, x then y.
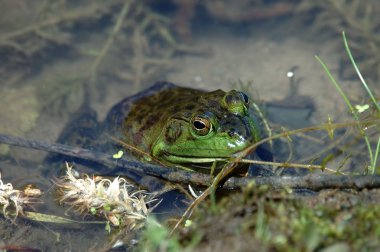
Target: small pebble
{"type": "Point", "coordinates": [290, 74]}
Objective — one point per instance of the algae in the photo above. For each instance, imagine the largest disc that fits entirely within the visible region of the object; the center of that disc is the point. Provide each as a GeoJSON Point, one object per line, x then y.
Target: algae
{"type": "Point", "coordinates": [19, 111]}
{"type": "Point", "coordinates": [268, 220]}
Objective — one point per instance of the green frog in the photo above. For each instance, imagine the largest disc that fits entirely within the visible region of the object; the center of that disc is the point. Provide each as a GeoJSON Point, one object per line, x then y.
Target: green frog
{"type": "Point", "coordinates": [180, 126]}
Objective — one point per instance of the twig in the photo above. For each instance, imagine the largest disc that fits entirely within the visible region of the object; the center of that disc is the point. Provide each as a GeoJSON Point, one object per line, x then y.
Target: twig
{"type": "Point", "coordinates": [169, 173]}
{"type": "Point", "coordinates": [73, 15]}
{"type": "Point", "coordinates": [111, 38]}
{"type": "Point", "coordinates": [312, 181]}
{"type": "Point", "coordinates": [287, 164]}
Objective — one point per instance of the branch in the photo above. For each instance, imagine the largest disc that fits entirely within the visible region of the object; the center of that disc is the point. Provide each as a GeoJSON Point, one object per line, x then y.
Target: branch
{"type": "Point", "coordinates": [313, 181]}
{"type": "Point", "coordinates": [89, 11]}
{"type": "Point", "coordinates": [169, 173]}
{"type": "Point", "coordinates": [111, 38]}
{"type": "Point", "coordinates": [172, 174]}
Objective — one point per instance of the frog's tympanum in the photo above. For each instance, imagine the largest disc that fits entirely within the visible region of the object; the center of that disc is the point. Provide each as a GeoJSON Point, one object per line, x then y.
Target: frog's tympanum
{"type": "Point", "coordinates": [185, 127]}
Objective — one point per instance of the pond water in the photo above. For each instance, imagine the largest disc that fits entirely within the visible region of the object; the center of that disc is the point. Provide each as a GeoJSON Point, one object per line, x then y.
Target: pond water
{"type": "Point", "coordinates": [59, 57]}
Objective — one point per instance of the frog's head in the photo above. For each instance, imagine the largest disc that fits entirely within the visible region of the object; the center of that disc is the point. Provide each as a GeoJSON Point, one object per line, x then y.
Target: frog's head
{"type": "Point", "coordinates": [214, 125]}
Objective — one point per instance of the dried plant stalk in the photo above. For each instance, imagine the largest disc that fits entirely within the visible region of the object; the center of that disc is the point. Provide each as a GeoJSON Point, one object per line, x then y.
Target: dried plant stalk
{"type": "Point", "coordinates": [16, 200]}
{"type": "Point", "coordinates": [116, 200]}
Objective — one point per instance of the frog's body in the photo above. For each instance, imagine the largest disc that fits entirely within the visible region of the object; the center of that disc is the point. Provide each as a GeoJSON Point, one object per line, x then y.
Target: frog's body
{"type": "Point", "coordinates": [185, 126]}
{"type": "Point", "coordinates": [182, 126]}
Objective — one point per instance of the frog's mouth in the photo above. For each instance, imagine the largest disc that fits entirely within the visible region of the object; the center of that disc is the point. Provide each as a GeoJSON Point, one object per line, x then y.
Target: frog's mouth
{"type": "Point", "coordinates": [196, 162]}
{"type": "Point", "coordinates": [240, 170]}
{"type": "Point", "coordinates": [194, 159]}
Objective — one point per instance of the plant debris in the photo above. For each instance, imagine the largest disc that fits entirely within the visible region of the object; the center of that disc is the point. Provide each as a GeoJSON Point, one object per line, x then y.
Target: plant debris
{"type": "Point", "coordinates": [16, 200]}
{"type": "Point", "coordinates": [129, 43]}
{"type": "Point", "coordinates": [357, 18]}
{"type": "Point", "coordinates": [116, 200]}
{"type": "Point", "coordinates": [283, 220]}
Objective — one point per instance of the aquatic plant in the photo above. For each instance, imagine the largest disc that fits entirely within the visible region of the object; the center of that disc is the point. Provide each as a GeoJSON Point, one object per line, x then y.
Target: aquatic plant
{"type": "Point", "coordinates": [21, 116]}
{"type": "Point", "coordinates": [118, 201]}
{"type": "Point", "coordinates": [355, 111]}
{"type": "Point", "coordinates": [359, 19]}
{"type": "Point", "coordinates": [50, 31]}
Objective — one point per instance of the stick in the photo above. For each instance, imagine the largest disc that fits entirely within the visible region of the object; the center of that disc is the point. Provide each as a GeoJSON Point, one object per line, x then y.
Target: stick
{"type": "Point", "coordinates": [312, 181]}
{"type": "Point", "coordinates": [169, 173]}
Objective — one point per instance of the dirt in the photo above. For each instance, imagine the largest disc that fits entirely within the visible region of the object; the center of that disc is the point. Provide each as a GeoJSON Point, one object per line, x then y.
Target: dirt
{"type": "Point", "coordinates": [270, 220]}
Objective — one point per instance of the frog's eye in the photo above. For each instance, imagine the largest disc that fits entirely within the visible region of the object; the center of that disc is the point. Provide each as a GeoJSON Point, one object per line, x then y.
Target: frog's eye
{"type": "Point", "coordinates": [201, 126]}
{"type": "Point", "coordinates": [236, 102]}
{"type": "Point", "coordinates": [244, 98]}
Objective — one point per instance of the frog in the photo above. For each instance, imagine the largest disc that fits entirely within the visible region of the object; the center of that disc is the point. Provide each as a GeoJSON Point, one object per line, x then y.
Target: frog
{"type": "Point", "coordinates": [179, 126]}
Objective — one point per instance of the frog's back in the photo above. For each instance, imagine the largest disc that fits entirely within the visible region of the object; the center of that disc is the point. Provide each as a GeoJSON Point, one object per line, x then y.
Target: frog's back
{"type": "Point", "coordinates": [138, 119]}
{"type": "Point", "coordinates": [114, 121]}
{"type": "Point", "coordinates": [85, 131]}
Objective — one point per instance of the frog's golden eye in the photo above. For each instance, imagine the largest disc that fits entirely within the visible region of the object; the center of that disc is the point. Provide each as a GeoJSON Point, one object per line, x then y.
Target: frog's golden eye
{"type": "Point", "coordinates": [236, 102]}
{"type": "Point", "coordinates": [201, 126]}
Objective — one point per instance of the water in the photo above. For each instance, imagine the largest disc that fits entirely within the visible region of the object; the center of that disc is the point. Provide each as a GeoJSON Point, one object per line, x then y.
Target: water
{"type": "Point", "coordinates": [59, 55]}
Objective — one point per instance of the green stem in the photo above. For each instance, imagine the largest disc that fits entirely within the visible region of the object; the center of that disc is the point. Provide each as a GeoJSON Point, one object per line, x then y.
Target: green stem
{"type": "Point", "coordinates": [376, 152]}
{"type": "Point", "coordinates": [358, 72]}
{"type": "Point", "coordinates": [353, 111]}
{"type": "Point", "coordinates": [337, 86]}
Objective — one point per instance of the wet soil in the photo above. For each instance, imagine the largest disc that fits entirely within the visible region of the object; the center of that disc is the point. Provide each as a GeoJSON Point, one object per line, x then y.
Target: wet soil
{"type": "Point", "coordinates": [332, 220]}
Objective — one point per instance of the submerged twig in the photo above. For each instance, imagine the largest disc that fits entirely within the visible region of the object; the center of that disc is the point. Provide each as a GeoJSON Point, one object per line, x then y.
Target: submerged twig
{"type": "Point", "coordinates": [313, 181]}
{"type": "Point", "coordinates": [357, 18]}
{"type": "Point", "coordinates": [110, 39]}
{"type": "Point", "coordinates": [172, 174]}
{"type": "Point", "coordinates": [72, 15]}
